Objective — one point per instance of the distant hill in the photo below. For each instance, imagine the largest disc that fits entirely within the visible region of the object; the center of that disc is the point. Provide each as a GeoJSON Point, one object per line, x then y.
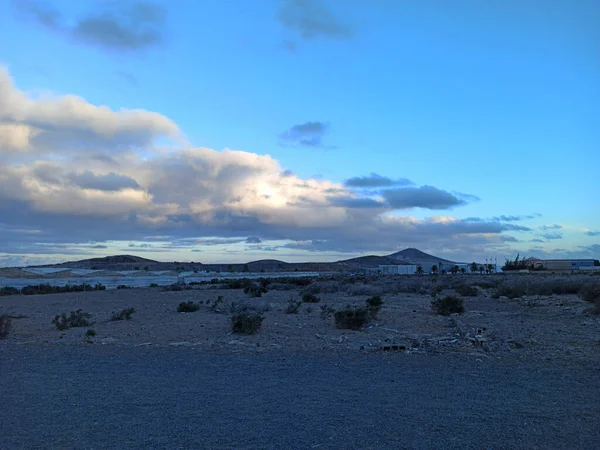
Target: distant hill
{"type": "Point", "coordinates": [415, 256]}
{"type": "Point", "coordinates": [370, 261]}
{"type": "Point", "coordinates": [130, 262]}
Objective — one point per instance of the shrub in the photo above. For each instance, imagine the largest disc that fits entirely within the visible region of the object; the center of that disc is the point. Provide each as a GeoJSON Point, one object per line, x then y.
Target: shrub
{"type": "Point", "coordinates": [177, 287]}
{"type": "Point", "coordinates": [466, 291]}
{"type": "Point", "coordinates": [7, 290]}
{"type": "Point", "coordinates": [89, 334]}
{"type": "Point", "coordinates": [123, 286]}
{"type": "Point", "coordinates": [437, 290]}
{"type": "Point", "coordinates": [49, 289]}
{"type": "Point", "coordinates": [307, 297]}
{"type": "Point", "coordinates": [124, 314]}
{"type": "Point", "coordinates": [217, 305]}
{"type": "Point", "coordinates": [153, 285]}
{"type": "Point", "coordinates": [5, 325]}
{"type": "Point", "coordinates": [448, 305]}
{"type": "Point", "coordinates": [326, 311]}
{"type": "Point", "coordinates": [590, 292]}
{"type": "Point", "coordinates": [255, 290]}
{"type": "Point", "coordinates": [246, 322]}
{"type": "Point", "coordinates": [76, 319]}
{"type": "Point", "coordinates": [293, 307]}
{"type": "Point", "coordinates": [190, 306]}
{"type": "Point", "coordinates": [374, 305]}
{"type": "Point", "coordinates": [352, 318]}
{"type": "Point", "coordinates": [509, 290]}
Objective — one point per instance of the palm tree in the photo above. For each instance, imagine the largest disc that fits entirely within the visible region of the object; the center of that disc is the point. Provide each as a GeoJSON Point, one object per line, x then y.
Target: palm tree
{"type": "Point", "coordinates": [419, 270]}
{"type": "Point", "coordinates": [434, 269]}
{"type": "Point", "coordinates": [474, 267]}
{"type": "Point", "coordinates": [462, 270]}
{"type": "Point", "coordinates": [454, 270]}
{"type": "Point", "coordinates": [481, 269]}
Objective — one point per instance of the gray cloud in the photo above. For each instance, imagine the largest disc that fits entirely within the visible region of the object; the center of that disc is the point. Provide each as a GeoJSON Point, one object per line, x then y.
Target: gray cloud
{"type": "Point", "coordinates": [309, 134]}
{"type": "Point", "coordinates": [537, 240]}
{"type": "Point", "coordinates": [376, 181]}
{"type": "Point", "coordinates": [516, 218]}
{"type": "Point", "coordinates": [109, 182]}
{"type": "Point", "coordinates": [427, 197]}
{"type": "Point", "coordinates": [310, 19]}
{"type": "Point", "coordinates": [550, 227]}
{"type": "Point", "coordinates": [115, 26]}
{"type": "Point", "coordinates": [253, 240]}
{"type": "Point", "coordinates": [352, 202]}
{"type": "Point", "coordinates": [552, 236]}
{"type": "Point", "coordinates": [592, 233]}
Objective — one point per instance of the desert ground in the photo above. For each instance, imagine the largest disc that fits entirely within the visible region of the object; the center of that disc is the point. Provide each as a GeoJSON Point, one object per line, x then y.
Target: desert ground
{"type": "Point", "coordinates": [517, 369]}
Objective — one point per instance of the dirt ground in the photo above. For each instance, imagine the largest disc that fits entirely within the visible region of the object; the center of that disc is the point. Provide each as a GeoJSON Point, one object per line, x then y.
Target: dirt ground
{"type": "Point", "coordinates": [533, 326]}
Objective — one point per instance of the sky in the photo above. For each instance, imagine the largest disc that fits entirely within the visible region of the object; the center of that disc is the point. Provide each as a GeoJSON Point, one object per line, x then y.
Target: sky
{"type": "Point", "coordinates": [299, 130]}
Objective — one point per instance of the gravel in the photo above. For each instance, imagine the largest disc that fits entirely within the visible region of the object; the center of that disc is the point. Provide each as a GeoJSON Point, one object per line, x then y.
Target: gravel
{"type": "Point", "coordinates": [103, 397]}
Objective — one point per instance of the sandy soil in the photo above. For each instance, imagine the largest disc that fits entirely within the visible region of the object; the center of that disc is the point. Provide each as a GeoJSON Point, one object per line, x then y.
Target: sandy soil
{"type": "Point", "coordinates": [546, 327]}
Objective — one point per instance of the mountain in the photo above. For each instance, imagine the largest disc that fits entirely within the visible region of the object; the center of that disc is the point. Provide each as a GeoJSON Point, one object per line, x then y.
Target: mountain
{"type": "Point", "coordinates": [416, 256]}
{"type": "Point", "coordinates": [130, 262]}
{"type": "Point", "coordinates": [370, 261]}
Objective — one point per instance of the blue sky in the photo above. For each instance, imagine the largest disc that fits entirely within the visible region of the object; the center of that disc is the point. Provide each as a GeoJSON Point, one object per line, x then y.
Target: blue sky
{"type": "Point", "coordinates": [488, 108]}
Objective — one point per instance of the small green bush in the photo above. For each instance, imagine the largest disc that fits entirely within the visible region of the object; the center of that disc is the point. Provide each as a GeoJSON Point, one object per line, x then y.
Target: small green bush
{"type": "Point", "coordinates": [76, 319]}
{"type": "Point", "coordinates": [352, 318]}
{"type": "Point", "coordinates": [246, 322]}
{"type": "Point", "coordinates": [185, 307]}
{"type": "Point", "coordinates": [448, 305]}
{"type": "Point", "coordinates": [124, 314]}
{"type": "Point", "coordinates": [307, 297]}
{"type": "Point", "coordinates": [5, 325]}
{"type": "Point", "coordinates": [153, 285]}
{"type": "Point", "coordinates": [466, 291]}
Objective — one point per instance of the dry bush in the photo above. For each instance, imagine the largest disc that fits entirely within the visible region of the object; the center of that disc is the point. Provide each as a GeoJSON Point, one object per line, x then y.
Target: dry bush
{"type": "Point", "coordinates": [293, 307]}
{"type": "Point", "coordinates": [307, 297]}
{"type": "Point", "coordinates": [325, 287]}
{"type": "Point", "coordinates": [247, 322]}
{"type": "Point", "coordinates": [186, 307]}
{"type": "Point", "coordinates": [76, 319]}
{"type": "Point", "coordinates": [5, 325]}
{"type": "Point", "coordinates": [364, 289]}
{"type": "Point", "coordinates": [590, 292]}
{"type": "Point", "coordinates": [516, 286]}
{"type": "Point", "coordinates": [466, 291]}
{"type": "Point", "coordinates": [352, 318]}
{"type": "Point", "coordinates": [124, 314]}
{"type": "Point", "coordinates": [448, 305]}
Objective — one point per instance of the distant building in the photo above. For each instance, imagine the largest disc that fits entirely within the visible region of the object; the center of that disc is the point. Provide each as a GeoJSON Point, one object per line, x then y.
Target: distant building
{"type": "Point", "coordinates": [404, 269]}
{"type": "Point", "coordinates": [562, 264]}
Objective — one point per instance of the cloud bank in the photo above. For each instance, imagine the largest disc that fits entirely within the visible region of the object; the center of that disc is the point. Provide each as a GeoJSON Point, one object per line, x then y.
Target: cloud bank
{"type": "Point", "coordinates": [73, 172]}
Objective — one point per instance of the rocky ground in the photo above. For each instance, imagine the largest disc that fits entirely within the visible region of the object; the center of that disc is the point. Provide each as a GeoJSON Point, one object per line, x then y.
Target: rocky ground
{"type": "Point", "coordinates": [539, 326]}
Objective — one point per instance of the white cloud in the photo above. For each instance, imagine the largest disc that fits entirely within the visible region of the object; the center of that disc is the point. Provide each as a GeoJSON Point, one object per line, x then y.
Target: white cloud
{"type": "Point", "coordinates": [89, 182]}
